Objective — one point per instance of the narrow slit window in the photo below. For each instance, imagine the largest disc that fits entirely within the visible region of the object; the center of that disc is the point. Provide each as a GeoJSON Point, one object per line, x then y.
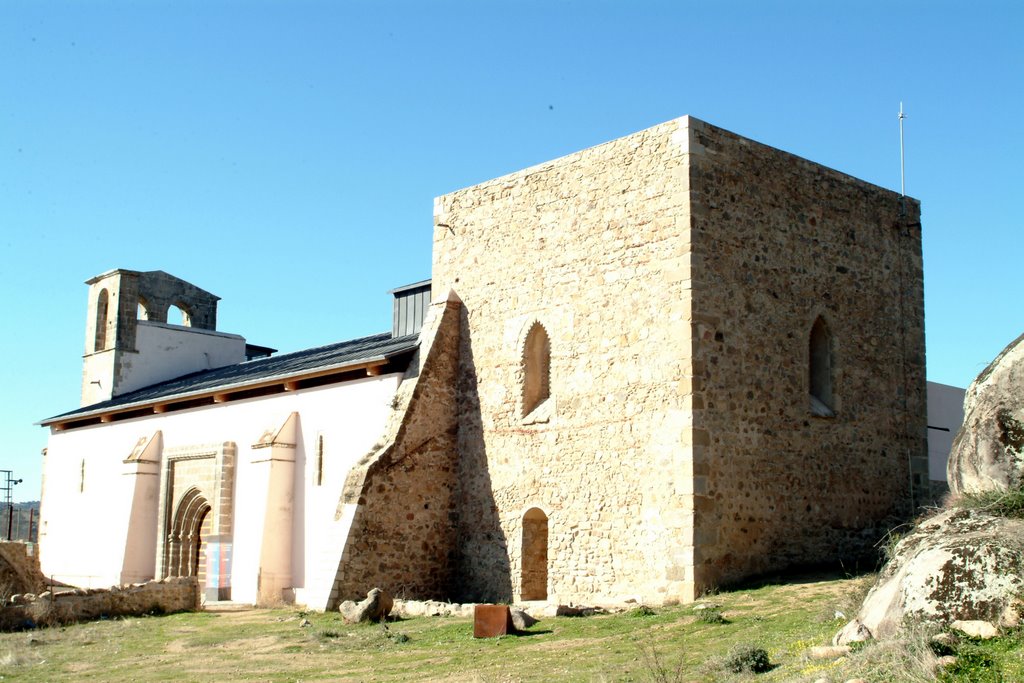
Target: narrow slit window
{"type": "Point", "coordinates": [820, 370]}
{"type": "Point", "coordinates": [318, 474]}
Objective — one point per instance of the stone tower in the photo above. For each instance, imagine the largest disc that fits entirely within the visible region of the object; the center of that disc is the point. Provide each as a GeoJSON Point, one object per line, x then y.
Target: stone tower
{"type": "Point", "coordinates": [129, 343]}
{"type": "Point", "coordinates": [686, 358]}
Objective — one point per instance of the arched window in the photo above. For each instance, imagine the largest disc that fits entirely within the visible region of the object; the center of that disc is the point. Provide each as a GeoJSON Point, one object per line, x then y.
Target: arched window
{"type": "Point", "coordinates": [536, 369]}
{"type": "Point", "coordinates": [143, 310]}
{"type": "Point", "coordinates": [100, 341]}
{"type": "Point", "coordinates": [820, 370]}
{"type": "Point", "coordinates": [535, 555]}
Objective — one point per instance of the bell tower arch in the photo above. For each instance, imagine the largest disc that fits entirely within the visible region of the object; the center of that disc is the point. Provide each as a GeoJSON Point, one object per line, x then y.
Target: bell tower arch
{"type": "Point", "coordinates": [127, 308]}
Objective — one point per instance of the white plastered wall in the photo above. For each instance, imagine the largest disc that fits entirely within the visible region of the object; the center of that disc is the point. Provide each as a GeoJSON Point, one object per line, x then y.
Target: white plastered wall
{"type": "Point", "coordinates": [945, 416]}
{"type": "Point", "coordinates": [83, 535]}
{"type": "Point", "coordinates": [169, 351]}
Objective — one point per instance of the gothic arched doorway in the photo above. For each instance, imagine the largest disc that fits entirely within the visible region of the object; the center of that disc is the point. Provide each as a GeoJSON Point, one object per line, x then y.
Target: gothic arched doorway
{"type": "Point", "coordinates": [186, 547]}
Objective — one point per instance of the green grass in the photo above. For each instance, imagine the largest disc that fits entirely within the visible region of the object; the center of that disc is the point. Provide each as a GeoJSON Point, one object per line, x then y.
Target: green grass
{"type": "Point", "coordinates": [1001, 503]}
{"type": "Point", "coordinates": [659, 644]}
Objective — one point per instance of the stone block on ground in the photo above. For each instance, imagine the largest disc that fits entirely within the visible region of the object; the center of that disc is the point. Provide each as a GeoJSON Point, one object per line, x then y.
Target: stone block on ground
{"type": "Point", "coordinates": [376, 607]}
{"type": "Point", "coordinates": [521, 620]}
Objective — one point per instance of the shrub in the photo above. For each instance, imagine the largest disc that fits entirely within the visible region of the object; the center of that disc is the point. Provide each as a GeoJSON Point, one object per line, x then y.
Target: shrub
{"type": "Point", "coordinates": [748, 658]}
{"type": "Point", "coordinates": [711, 615]}
{"type": "Point", "coordinates": [642, 611]}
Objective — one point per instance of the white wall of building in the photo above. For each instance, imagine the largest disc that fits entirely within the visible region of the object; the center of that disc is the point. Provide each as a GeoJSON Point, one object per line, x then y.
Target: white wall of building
{"type": "Point", "coordinates": [83, 532]}
{"type": "Point", "coordinates": [945, 416]}
{"type": "Point", "coordinates": [169, 351]}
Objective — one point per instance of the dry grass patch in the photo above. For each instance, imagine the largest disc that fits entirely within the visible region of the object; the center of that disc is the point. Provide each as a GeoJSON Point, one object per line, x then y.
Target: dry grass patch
{"type": "Point", "coordinates": [663, 644]}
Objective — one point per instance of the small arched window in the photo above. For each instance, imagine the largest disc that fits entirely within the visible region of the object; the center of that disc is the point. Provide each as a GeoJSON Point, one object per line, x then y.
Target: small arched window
{"type": "Point", "coordinates": [536, 369]}
{"type": "Point", "coordinates": [820, 370]}
{"type": "Point", "coordinates": [102, 304]}
{"type": "Point", "coordinates": [143, 309]}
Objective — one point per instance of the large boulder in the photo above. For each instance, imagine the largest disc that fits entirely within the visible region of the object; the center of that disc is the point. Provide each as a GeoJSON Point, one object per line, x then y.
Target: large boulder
{"type": "Point", "coordinates": [957, 565]}
{"type": "Point", "coordinates": [988, 451]}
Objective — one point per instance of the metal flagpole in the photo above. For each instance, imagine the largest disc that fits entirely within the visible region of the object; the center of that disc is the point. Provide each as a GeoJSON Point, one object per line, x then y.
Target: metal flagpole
{"type": "Point", "coordinates": [903, 186]}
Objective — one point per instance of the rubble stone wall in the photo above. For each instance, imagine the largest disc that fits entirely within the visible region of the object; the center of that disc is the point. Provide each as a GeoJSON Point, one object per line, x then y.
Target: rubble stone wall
{"type": "Point", "coordinates": [402, 537]}
{"type": "Point", "coordinates": [677, 273]}
{"type": "Point", "coordinates": [777, 242]}
{"type": "Point", "coordinates": [153, 597]}
{"type": "Point", "coordinates": [593, 247]}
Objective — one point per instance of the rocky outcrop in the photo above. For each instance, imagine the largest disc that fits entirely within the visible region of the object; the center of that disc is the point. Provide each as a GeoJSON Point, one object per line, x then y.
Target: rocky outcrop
{"type": "Point", "coordinates": [964, 567]}
{"type": "Point", "coordinates": [988, 452]}
{"type": "Point", "coordinates": [960, 564]}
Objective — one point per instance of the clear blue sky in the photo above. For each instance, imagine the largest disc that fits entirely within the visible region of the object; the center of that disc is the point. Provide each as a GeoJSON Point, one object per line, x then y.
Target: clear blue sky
{"type": "Point", "coordinates": [285, 155]}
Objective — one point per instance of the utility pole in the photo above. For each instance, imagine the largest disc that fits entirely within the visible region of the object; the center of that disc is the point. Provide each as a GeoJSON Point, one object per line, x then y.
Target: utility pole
{"type": "Point", "coordinates": [8, 483]}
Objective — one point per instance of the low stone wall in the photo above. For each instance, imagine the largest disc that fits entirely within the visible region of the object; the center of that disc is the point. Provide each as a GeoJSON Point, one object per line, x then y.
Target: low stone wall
{"type": "Point", "coordinates": [179, 594]}
{"type": "Point", "coordinates": [19, 568]}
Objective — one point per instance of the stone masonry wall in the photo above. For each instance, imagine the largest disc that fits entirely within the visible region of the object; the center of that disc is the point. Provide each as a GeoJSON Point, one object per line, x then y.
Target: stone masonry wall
{"type": "Point", "coordinates": [590, 246]}
{"type": "Point", "coordinates": [778, 241]}
{"type": "Point", "coordinates": [678, 450]}
{"type": "Point", "coordinates": [402, 537]}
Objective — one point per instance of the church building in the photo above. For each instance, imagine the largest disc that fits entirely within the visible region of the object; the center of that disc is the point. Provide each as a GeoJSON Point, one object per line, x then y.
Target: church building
{"type": "Point", "coordinates": [640, 371]}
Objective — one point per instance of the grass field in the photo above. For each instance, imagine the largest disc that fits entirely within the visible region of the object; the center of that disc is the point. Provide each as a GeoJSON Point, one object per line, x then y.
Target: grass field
{"type": "Point", "coordinates": [664, 644]}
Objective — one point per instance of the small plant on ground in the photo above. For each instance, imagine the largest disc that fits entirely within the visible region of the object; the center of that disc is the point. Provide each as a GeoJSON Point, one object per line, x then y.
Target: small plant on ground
{"type": "Point", "coordinates": [656, 668]}
{"type": "Point", "coordinates": [887, 545]}
{"type": "Point", "coordinates": [395, 637]}
{"type": "Point", "coordinates": [1000, 503]}
{"type": "Point", "coordinates": [748, 658]}
{"type": "Point", "coordinates": [642, 611]}
{"type": "Point", "coordinates": [974, 665]}
{"type": "Point", "coordinates": [711, 615]}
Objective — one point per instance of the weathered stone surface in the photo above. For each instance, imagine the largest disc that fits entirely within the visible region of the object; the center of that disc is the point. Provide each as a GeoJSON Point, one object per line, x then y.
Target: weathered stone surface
{"type": "Point", "coordinates": [19, 568]}
{"type": "Point", "coordinates": [432, 608]}
{"type": "Point", "coordinates": [521, 620]}
{"type": "Point", "coordinates": [403, 492]}
{"type": "Point", "coordinates": [376, 607]}
{"type": "Point", "coordinates": [975, 628]}
{"type": "Point", "coordinates": [178, 594]}
{"type": "Point", "coordinates": [678, 273]}
{"type": "Point", "coordinates": [828, 651]}
{"type": "Point", "coordinates": [853, 632]}
{"type": "Point", "coordinates": [988, 451]}
{"type": "Point", "coordinates": [956, 565]}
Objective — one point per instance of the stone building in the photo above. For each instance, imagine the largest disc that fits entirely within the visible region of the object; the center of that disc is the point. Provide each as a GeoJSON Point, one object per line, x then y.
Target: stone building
{"type": "Point", "coordinates": [648, 368]}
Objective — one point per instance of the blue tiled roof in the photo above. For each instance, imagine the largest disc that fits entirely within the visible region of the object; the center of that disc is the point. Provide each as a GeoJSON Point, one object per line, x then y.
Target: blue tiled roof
{"type": "Point", "coordinates": [258, 371]}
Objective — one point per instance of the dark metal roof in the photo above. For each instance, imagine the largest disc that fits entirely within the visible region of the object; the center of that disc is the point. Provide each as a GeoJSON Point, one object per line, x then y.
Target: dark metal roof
{"type": "Point", "coordinates": [258, 371]}
{"type": "Point", "coordinates": [415, 285]}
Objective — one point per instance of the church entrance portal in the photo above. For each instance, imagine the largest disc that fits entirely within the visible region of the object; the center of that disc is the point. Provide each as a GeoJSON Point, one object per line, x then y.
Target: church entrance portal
{"type": "Point", "coordinates": [186, 545]}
